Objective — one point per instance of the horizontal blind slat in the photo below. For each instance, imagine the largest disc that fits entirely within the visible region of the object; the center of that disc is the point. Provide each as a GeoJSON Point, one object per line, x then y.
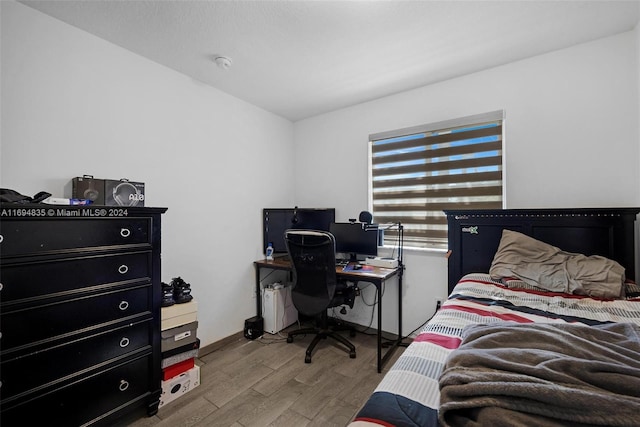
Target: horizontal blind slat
{"type": "Point", "coordinates": [438, 179]}
{"type": "Point", "coordinates": [494, 190]}
{"type": "Point", "coordinates": [419, 233]}
{"type": "Point", "coordinates": [441, 206]}
{"type": "Point", "coordinates": [429, 220]}
{"type": "Point", "coordinates": [438, 166]}
{"type": "Point", "coordinates": [439, 153]}
{"type": "Point", "coordinates": [436, 139]}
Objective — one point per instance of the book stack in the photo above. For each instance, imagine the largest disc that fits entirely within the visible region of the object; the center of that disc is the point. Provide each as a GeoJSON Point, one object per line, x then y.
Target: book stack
{"type": "Point", "coordinates": [179, 346]}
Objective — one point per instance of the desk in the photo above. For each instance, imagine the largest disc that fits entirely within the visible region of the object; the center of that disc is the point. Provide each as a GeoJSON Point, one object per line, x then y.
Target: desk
{"type": "Point", "coordinates": [377, 277]}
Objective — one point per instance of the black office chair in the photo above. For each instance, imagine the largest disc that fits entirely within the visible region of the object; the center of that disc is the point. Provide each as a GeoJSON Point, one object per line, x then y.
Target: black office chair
{"type": "Point", "coordinates": [316, 287]}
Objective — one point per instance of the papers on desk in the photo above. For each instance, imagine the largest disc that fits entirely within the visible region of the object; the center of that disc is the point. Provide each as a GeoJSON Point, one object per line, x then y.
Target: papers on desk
{"type": "Point", "coordinates": [350, 267]}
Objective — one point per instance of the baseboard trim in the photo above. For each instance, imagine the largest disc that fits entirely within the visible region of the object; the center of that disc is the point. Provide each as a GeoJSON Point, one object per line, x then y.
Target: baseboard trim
{"type": "Point", "coordinates": [210, 348]}
{"type": "Point", "coordinates": [240, 335]}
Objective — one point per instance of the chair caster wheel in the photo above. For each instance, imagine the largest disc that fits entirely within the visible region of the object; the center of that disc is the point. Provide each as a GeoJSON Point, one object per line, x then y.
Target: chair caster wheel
{"type": "Point", "coordinates": [352, 355]}
{"type": "Point", "coordinates": [289, 340]}
{"type": "Point", "coordinates": [307, 359]}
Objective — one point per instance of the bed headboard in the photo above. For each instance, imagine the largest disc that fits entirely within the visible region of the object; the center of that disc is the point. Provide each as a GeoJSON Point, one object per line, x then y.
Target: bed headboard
{"type": "Point", "coordinates": [474, 235]}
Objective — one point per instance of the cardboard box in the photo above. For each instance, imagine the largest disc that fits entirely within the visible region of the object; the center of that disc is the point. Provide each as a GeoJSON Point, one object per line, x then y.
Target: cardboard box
{"type": "Point", "coordinates": [177, 368]}
{"type": "Point", "coordinates": [178, 315]}
{"type": "Point", "coordinates": [180, 354]}
{"type": "Point", "coordinates": [178, 336]}
{"type": "Point", "coordinates": [86, 187]}
{"type": "Point", "coordinates": [179, 385]}
{"type": "Point", "coordinates": [123, 193]}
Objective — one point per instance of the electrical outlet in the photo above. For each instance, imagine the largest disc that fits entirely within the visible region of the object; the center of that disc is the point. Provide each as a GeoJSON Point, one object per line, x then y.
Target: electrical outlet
{"type": "Point", "coordinates": [438, 303]}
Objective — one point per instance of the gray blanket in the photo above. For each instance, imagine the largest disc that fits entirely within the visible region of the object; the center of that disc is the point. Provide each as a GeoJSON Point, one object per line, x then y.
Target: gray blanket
{"type": "Point", "coordinates": [545, 266]}
{"type": "Point", "coordinates": [508, 374]}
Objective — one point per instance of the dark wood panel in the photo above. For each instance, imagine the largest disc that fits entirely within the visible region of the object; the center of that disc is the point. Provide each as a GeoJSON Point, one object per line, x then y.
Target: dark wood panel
{"type": "Point", "coordinates": [474, 235]}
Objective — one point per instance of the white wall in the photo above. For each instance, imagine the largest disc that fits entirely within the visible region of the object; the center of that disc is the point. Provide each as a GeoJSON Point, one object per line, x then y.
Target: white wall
{"type": "Point", "coordinates": [581, 104]}
{"type": "Point", "coordinates": [637, 31]}
{"type": "Point", "coordinates": [74, 104]}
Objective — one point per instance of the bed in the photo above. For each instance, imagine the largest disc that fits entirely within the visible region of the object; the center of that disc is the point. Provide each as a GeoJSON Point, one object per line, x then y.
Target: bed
{"type": "Point", "coordinates": [508, 350]}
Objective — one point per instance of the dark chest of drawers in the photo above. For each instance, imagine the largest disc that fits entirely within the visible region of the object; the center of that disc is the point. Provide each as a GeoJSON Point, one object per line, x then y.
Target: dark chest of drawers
{"type": "Point", "coordinates": [80, 301]}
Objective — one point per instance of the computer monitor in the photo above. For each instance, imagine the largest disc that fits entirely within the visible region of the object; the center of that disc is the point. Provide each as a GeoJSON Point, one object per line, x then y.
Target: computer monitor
{"type": "Point", "coordinates": [355, 239]}
{"type": "Point", "coordinates": [275, 221]}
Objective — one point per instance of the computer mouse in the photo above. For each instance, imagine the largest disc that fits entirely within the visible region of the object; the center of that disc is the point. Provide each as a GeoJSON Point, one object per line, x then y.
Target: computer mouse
{"type": "Point", "coordinates": [357, 266]}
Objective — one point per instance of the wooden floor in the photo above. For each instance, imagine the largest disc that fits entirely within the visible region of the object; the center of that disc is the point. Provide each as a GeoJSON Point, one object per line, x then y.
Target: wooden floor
{"type": "Point", "coordinates": [266, 383]}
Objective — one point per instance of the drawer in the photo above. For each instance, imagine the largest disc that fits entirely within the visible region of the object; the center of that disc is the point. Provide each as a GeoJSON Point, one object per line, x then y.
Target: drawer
{"type": "Point", "coordinates": [85, 400]}
{"type": "Point", "coordinates": [48, 278]}
{"type": "Point", "coordinates": [55, 363]}
{"type": "Point", "coordinates": [52, 321]}
{"type": "Point", "coordinates": [46, 236]}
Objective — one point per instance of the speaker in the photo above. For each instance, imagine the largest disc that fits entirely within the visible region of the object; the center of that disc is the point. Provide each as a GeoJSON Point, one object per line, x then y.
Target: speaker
{"type": "Point", "coordinates": [253, 327]}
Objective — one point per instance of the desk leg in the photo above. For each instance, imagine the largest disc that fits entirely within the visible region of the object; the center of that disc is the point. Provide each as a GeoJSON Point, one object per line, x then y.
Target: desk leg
{"type": "Point", "coordinates": [378, 293]}
{"type": "Point", "coordinates": [395, 343]}
{"type": "Point", "coordinates": [258, 302]}
{"type": "Point", "coordinates": [401, 343]}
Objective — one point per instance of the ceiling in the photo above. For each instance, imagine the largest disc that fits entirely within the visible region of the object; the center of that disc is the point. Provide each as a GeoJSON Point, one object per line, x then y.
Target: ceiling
{"type": "Point", "coordinates": [300, 58]}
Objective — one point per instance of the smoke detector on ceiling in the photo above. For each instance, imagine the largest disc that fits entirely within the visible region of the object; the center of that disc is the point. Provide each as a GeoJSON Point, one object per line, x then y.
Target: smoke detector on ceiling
{"type": "Point", "coordinates": [223, 62]}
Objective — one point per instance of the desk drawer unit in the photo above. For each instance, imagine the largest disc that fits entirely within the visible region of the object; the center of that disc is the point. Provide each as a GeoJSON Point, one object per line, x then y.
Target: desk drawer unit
{"type": "Point", "coordinates": [79, 314]}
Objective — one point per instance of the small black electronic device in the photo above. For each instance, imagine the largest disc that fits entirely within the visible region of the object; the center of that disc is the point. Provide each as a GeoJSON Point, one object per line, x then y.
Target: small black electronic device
{"type": "Point", "coordinates": [253, 327]}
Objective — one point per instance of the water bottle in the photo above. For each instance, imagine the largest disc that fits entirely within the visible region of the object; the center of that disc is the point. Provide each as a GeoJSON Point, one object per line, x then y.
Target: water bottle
{"type": "Point", "coordinates": [270, 252]}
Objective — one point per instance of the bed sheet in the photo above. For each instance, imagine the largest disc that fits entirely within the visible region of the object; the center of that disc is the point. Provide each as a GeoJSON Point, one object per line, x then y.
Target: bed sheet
{"type": "Point", "coordinates": [409, 395]}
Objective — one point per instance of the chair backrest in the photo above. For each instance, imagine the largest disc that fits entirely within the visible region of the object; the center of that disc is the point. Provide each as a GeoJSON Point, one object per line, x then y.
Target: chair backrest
{"type": "Point", "coordinates": [313, 256]}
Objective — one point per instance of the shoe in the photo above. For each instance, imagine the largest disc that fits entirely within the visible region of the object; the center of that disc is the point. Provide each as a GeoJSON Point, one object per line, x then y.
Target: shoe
{"type": "Point", "coordinates": [167, 295]}
{"type": "Point", "coordinates": [181, 291]}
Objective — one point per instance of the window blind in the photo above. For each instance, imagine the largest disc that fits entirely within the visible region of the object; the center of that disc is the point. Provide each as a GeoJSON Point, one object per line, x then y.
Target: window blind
{"type": "Point", "coordinates": [418, 172]}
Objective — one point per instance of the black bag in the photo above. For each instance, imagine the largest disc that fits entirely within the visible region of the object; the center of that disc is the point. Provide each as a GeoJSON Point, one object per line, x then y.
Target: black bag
{"type": "Point", "coordinates": [12, 196]}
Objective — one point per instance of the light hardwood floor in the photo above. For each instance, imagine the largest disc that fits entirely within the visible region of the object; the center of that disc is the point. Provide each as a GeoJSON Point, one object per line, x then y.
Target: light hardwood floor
{"type": "Point", "coordinates": [266, 383]}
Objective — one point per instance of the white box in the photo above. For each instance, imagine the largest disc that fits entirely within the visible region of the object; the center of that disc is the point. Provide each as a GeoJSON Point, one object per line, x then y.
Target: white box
{"type": "Point", "coordinates": [178, 315]}
{"type": "Point", "coordinates": [278, 310]}
{"type": "Point", "coordinates": [382, 262]}
{"type": "Point", "coordinates": [179, 385]}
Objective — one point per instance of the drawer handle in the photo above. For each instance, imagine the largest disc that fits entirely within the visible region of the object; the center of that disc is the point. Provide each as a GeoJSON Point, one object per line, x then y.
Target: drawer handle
{"type": "Point", "coordinates": [125, 232]}
{"type": "Point", "coordinates": [124, 342]}
{"type": "Point", "coordinates": [123, 269]}
{"type": "Point", "coordinates": [123, 305]}
{"type": "Point", "coordinates": [124, 385]}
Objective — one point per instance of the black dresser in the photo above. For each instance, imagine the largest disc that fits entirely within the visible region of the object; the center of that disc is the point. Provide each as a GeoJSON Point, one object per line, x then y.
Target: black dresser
{"type": "Point", "coordinates": [80, 301]}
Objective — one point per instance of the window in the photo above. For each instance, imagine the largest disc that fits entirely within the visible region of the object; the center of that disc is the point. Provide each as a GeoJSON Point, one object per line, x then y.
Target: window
{"type": "Point", "coordinates": [418, 172]}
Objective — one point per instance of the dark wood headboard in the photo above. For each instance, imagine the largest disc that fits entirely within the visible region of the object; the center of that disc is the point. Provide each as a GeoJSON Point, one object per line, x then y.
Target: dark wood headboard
{"type": "Point", "coordinates": [474, 235]}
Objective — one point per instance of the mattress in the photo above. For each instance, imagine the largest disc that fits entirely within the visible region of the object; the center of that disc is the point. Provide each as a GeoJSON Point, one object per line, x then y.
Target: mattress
{"type": "Point", "coordinates": [409, 394]}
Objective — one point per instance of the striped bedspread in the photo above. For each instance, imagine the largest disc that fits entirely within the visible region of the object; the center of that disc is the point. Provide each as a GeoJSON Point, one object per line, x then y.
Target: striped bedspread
{"type": "Point", "coordinates": [409, 395]}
